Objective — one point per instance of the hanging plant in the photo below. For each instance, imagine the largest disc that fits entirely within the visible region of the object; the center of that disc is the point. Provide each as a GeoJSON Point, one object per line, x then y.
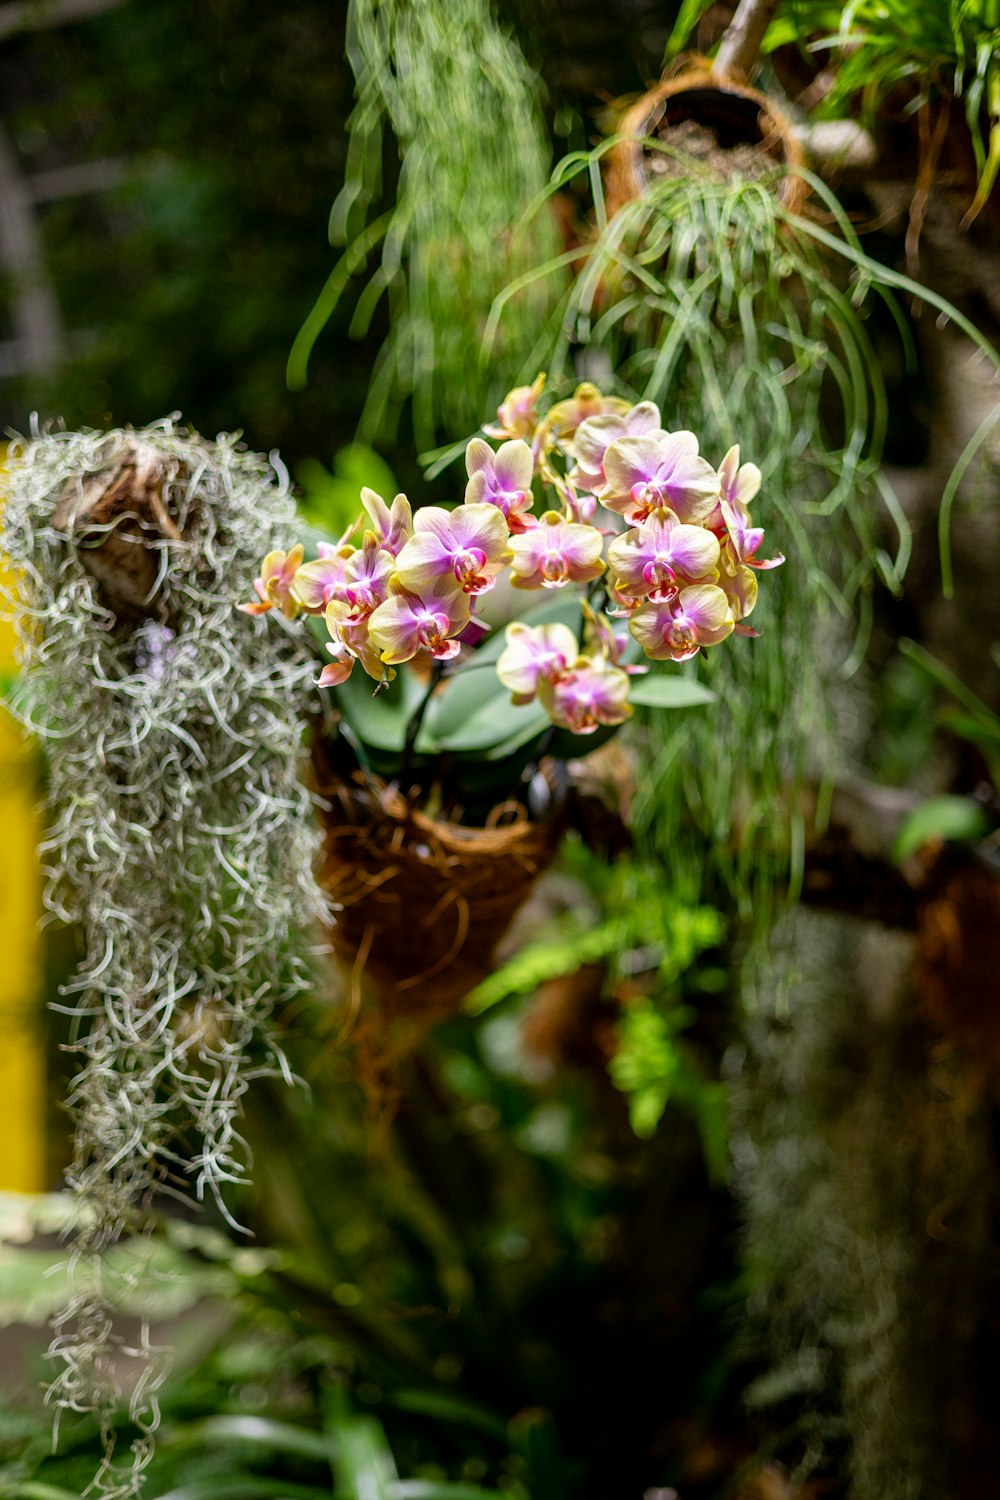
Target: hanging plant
{"type": "Point", "coordinates": [905, 59]}
{"type": "Point", "coordinates": [181, 839]}
{"type": "Point", "coordinates": [696, 122]}
{"type": "Point", "coordinates": [445, 90]}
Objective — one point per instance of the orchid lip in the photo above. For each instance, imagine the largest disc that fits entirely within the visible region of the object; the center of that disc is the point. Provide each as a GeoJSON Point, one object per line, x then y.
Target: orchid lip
{"type": "Point", "coordinates": [681, 633]}
{"type": "Point", "coordinates": [433, 630]}
{"type": "Point", "coordinates": [665, 591]}
{"type": "Point", "coordinates": [468, 567]}
{"type": "Point", "coordinates": [660, 574]}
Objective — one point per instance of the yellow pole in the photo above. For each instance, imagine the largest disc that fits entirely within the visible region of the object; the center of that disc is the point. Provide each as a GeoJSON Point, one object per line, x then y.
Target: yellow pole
{"type": "Point", "coordinates": [22, 1061]}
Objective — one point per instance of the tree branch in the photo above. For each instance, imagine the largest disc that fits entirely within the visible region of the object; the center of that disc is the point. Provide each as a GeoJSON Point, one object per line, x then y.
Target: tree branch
{"type": "Point", "coordinates": [740, 44]}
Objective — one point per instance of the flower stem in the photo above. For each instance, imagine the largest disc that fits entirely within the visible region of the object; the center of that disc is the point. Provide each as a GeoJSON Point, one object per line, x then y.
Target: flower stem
{"type": "Point", "coordinates": [416, 719]}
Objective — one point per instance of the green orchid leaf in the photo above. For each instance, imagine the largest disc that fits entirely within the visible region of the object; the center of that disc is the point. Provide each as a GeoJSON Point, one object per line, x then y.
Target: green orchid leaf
{"type": "Point", "coordinates": [565, 745]}
{"type": "Point", "coordinates": [461, 696]}
{"type": "Point", "coordinates": [534, 728]}
{"type": "Point", "coordinates": [494, 721]}
{"type": "Point", "coordinates": [662, 690]}
{"type": "Point", "coordinates": [947, 818]}
{"type": "Point", "coordinates": [380, 719]}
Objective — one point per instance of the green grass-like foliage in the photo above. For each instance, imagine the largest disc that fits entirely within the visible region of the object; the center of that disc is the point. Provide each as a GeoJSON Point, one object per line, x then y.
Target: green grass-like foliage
{"type": "Point", "coordinates": [904, 54]}
{"type": "Point", "coordinates": [452, 91]}
{"type": "Point", "coordinates": [750, 323]}
{"type": "Point", "coordinates": [709, 297]}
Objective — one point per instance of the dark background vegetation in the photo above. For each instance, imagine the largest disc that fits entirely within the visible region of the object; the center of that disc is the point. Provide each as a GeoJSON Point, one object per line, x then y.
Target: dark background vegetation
{"type": "Point", "coordinates": [181, 285]}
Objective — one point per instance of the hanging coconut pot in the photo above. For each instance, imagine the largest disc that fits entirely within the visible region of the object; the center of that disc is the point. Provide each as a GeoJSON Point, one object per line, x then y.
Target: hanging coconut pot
{"type": "Point", "coordinates": [422, 904]}
{"type": "Point", "coordinates": [698, 121]}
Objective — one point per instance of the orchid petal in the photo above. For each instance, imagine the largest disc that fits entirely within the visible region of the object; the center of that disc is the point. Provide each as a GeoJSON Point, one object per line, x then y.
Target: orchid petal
{"type": "Point", "coordinates": [589, 694]}
{"type": "Point", "coordinates": [556, 552]}
{"type": "Point", "coordinates": [534, 653]}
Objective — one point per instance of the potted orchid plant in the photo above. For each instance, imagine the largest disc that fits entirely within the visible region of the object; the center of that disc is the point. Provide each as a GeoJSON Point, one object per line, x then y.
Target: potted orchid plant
{"type": "Point", "coordinates": [594, 552]}
{"type": "Point", "coordinates": [637, 530]}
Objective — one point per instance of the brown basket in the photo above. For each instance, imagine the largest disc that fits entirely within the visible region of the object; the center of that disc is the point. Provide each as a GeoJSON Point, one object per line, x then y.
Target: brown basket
{"type": "Point", "coordinates": [422, 903]}
{"type": "Point", "coordinates": [738, 116]}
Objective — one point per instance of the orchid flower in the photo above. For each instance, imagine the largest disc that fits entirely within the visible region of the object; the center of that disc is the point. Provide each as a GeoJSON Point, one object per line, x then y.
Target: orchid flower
{"type": "Point", "coordinates": [556, 552]}
{"type": "Point", "coordinates": [392, 525]}
{"type": "Point", "coordinates": [579, 507]}
{"type": "Point", "coordinates": [661, 555]}
{"type": "Point", "coordinates": [596, 434]}
{"type": "Point", "coordinates": [366, 577]}
{"type": "Point", "coordinates": [349, 642]}
{"type": "Point", "coordinates": [316, 583]}
{"type": "Point", "coordinates": [336, 672]}
{"type": "Point", "coordinates": [563, 420]}
{"type": "Point", "coordinates": [645, 473]}
{"type": "Point", "coordinates": [681, 568]}
{"type": "Point", "coordinates": [408, 622]}
{"type": "Point", "coordinates": [469, 544]}
{"type": "Point", "coordinates": [502, 479]}
{"type": "Point", "coordinates": [516, 414]}
{"type": "Point", "coordinates": [534, 653]}
{"type": "Point", "coordinates": [601, 639]}
{"type": "Point", "coordinates": [739, 582]}
{"type": "Point", "coordinates": [589, 694]}
{"type": "Point", "coordinates": [676, 627]}
{"type": "Point", "coordinates": [275, 584]}
{"type": "Point", "coordinates": [738, 485]}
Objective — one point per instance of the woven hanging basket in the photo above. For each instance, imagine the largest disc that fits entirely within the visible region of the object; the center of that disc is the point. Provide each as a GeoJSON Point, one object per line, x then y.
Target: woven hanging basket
{"type": "Point", "coordinates": [422, 905]}
{"type": "Point", "coordinates": [744, 122]}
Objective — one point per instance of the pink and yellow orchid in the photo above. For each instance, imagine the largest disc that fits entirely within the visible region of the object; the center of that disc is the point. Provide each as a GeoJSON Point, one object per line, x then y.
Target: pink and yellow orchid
{"type": "Point", "coordinates": [502, 479]}
{"type": "Point", "coordinates": [349, 642]}
{"type": "Point", "coordinates": [738, 486]}
{"type": "Point", "coordinates": [556, 552]}
{"type": "Point", "coordinates": [534, 653]}
{"type": "Point", "coordinates": [316, 583]}
{"type": "Point", "coordinates": [275, 585]}
{"type": "Point", "coordinates": [563, 420]}
{"type": "Point", "coordinates": [589, 694]}
{"type": "Point", "coordinates": [408, 622]}
{"type": "Point", "coordinates": [676, 627]}
{"type": "Point", "coordinates": [739, 582]}
{"type": "Point", "coordinates": [367, 575]}
{"type": "Point", "coordinates": [661, 555]}
{"type": "Point", "coordinates": [516, 414]}
{"type": "Point", "coordinates": [683, 574]}
{"type": "Point", "coordinates": [594, 437]}
{"type": "Point", "coordinates": [646, 473]}
{"type": "Point", "coordinates": [468, 544]}
{"type": "Point", "coordinates": [600, 638]}
{"type": "Point", "coordinates": [392, 525]}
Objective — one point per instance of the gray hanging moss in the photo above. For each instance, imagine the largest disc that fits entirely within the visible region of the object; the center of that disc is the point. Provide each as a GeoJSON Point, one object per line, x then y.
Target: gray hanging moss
{"type": "Point", "coordinates": [181, 838]}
